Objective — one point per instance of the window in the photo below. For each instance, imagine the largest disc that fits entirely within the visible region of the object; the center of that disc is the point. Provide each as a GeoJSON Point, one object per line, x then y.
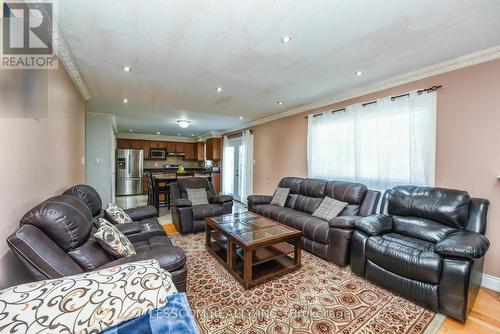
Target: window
{"type": "Point", "coordinates": [388, 143]}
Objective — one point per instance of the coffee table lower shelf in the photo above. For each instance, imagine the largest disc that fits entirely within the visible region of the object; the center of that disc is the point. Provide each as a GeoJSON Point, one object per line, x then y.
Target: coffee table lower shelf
{"type": "Point", "coordinates": [267, 262]}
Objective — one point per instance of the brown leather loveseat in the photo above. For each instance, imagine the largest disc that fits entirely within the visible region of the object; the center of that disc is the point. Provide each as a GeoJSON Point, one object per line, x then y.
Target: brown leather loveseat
{"type": "Point", "coordinates": [55, 239]}
{"type": "Point", "coordinates": [330, 240]}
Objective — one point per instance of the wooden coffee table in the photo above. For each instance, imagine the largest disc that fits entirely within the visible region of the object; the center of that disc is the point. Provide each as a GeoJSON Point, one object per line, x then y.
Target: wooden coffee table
{"type": "Point", "coordinates": [253, 248]}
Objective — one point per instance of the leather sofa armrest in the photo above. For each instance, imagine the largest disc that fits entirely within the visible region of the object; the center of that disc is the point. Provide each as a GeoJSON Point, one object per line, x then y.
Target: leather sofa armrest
{"type": "Point", "coordinates": [220, 199]}
{"type": "Point", "coordinates": [464, 244]}
{"type": "Point", "coordinates": [374, 225]}
{"type": "Point", "coordinates": [142, 212]}
{"type": "Point", "coordinates": [259, 199]}
{"type": "Point", "coordinates": [344, 221]}
{"type": "Point", "coordinates": [182, 203]}
{"type": "Point", "coordinates": [129, 228]}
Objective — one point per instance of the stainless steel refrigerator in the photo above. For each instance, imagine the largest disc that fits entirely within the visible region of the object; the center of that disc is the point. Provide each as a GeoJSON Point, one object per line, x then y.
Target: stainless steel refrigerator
{"type": "Point", "coordinates": [129, 172]}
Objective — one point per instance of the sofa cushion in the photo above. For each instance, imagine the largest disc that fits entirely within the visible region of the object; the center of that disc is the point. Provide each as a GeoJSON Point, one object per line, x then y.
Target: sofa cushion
{"type": "Point", "coordinates": [350, 192]}
{"type": "Point", "coordinates": [307, 204]}
{"type": "Point", "coordinates": [421, 228]}
{"type": "Point", "coordinates": [64, 219]}
{"type": "Point", "coordinates": [313, 187]}
{"type": "Point", "coordinates": [406, 256]}
{"type": "Point", "coordinates": [291, 182]}
{"type": "Point", "coordinates": [280, 196]}
{"type": "Point", "coordinates": [447, 206]}
{"type": "Point", "coordinates": [329, 208]}
{"type": "Point", "coordinates": [207, 210]}
{"type": "Point", "coordinates": [90, 255]}
{"type": "Point", "coordinates": [84, 303]}
{"type": "Point", "coordinates": [88, 195]}
{"type": "Point", "coordinates": [113, 241]}
{"type": "Point", "coordinates": [197, 196]}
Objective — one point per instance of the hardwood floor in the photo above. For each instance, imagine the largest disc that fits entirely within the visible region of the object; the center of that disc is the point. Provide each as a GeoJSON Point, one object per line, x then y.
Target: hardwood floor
{"type": "Point", "coordinates": [483, 319]}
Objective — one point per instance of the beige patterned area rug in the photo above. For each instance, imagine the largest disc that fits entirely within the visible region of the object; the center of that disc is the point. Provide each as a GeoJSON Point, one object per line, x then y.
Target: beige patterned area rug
{"type": "Point", "coordinates": [318, 298]}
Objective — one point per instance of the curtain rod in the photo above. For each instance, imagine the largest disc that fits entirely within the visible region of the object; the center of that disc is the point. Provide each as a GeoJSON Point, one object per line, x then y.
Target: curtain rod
{"type": "Point", "coordinates": [419, 92]}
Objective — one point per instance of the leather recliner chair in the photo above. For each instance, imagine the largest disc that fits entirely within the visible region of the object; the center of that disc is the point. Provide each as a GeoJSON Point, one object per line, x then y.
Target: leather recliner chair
{"type": "Point", "coordinates": [55, 239]}
{"type": "Point", "coordinates": [429, 247]}
{"type": "Point", "coordinates": [144, 226]}
{"type": "Point", "coordinates": [189, 218]}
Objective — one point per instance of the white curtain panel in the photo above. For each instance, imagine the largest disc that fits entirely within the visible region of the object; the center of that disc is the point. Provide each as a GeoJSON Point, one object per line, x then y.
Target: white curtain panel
{"type": "Point", "coordinates": [382, 145]}
{"type": "Point", "coordinates": [246, 163]}
{"type": "Point", "coordinates": [227, 175]}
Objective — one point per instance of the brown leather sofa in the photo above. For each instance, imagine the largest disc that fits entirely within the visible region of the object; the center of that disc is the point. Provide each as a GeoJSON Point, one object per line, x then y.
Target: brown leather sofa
{"type": "Point", "coordinates": [429, 247]}
{"type": "Point", "coordinates": [330, 240]}
{"type": "Point", "coordinates": [189, 218]}
{"type": "Point", "coordinates": [144, 226]}
{"type": "Point", "coordinates": [55, 239]}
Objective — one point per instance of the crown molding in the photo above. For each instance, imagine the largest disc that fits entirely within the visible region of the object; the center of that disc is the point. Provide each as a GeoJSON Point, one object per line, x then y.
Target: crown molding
{"type": "Point", "coordinates": [66, 58]}
{"type": "Point", "coordinates": [208, 135]}
{"type": "Point", "coordinates": [426, 72]}
{"type": "Point", "coordinates": [145, 136]}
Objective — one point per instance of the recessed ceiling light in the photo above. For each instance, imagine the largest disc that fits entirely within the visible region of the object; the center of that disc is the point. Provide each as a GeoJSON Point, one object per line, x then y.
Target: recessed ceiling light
{"type": "Point", "coordinates": [131, 130]}
{"type": "Point", "coordinates": [127, 68]}
{"type": "Point", "coordinates": [157, 132]}
{"type": "Point", "coordinates": [183, 123]}
{"type": "Point", "coordinates": [241, 117]}
{"type": "Point", "coordinates": [280, 102]}
{"type": "Point", "coordinates": [125, 101]}
{"type": "Point", "coordinates": [192, 135]}
{"type": "Point", "coordinates": [178, 134]}
{"type": "Point", "coordinates": [219, 89]}
{"type": "Point", "coordinates": [286, 39]}
{"type": "Point", "coordinates": [359, 73]}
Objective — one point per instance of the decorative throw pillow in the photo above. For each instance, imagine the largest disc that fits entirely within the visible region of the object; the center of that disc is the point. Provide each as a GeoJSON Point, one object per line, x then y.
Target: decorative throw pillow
{"type": "Point", "coordinates": [112, 240]}
{"type": "Point", "coordinates": [280, 196]}
{"type": "Point", "coordinates": [197, 196]}
{"type": "Point", "coordinates": [85, 303]}
{"type": "Point", "coordinates": [329, 208]}
{"type": "Point", "coordinates": [116, 215]}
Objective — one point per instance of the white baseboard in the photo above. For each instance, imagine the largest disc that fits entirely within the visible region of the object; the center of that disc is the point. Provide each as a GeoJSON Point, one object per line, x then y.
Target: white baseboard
{"type": "Point", "coordinates": [491, 282]}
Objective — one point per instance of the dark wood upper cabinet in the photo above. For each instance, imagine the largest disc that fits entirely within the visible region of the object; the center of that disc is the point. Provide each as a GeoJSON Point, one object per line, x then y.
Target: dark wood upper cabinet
{"type": "Point", "coordinates": [123, 143]}
{"type": "Point", "coordinates": [179, 147]}
{"type": "Point", "coordinates": [213, 149]}
{"type": "Point", "coordinates": [170, 147]}
{"type": "Point", "coordinates": [189, 151]}
{"type": "Point", "coordinates": [200, 151]}
{"type": "Point", "coordinates": [141, 145]}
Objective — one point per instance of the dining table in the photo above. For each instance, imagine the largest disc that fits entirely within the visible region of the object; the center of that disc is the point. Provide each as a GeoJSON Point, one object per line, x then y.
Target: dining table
{"type": "Point", "coordinates": [161, 183]}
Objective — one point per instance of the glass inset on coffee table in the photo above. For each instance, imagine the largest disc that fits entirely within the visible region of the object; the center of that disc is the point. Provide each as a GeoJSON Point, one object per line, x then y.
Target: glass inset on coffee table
{"type": "Point", "coordinates": [253, 248]}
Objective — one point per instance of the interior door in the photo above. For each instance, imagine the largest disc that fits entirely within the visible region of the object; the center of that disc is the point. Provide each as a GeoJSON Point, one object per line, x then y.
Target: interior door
{"type": "Point", "coordinates": [233, 153]}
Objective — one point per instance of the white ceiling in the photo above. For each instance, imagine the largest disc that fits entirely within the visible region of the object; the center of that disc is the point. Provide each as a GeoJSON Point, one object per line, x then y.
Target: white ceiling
{"type": "Point", "coordinates": [180, 51]}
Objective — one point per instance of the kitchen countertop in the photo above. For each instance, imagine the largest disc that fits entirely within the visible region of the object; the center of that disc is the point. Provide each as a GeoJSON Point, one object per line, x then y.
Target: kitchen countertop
{"type": "Point", "coordinates": [173, 169]}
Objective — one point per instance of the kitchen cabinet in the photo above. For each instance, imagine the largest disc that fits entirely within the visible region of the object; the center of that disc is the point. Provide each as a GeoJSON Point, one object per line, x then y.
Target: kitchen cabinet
{"type": "Point", "coordinates": [145, 184]}
{"type": "Point", "coordinates": [200, 151]}
{"type": "Point", "coordinates": [179, 147]}
{"type": "Point", "coordinates": [189, 151]}
{"type": "Point", "coordinates": [216, 182]}
{"type": "Point", "coordinates": [123, 143]}
{"type": "Point", "coordinates": [170, 147]}
{"type": "Point", "coordinates": [141, 145]}
{"type": "Point", "coordinates": [213, 149]}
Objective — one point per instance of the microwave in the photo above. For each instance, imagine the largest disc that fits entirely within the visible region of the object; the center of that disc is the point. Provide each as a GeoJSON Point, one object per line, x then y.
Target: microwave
{"type": "Point", "coordinates": [158, 153]}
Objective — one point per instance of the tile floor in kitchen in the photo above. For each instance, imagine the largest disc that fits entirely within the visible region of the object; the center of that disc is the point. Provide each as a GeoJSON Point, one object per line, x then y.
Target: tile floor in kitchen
{"type": "Point", "coordinates": [165, 218]}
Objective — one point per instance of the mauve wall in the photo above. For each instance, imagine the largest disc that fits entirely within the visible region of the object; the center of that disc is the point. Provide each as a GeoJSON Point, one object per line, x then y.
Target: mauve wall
{"type": "Point", "coordinates": [468, 141]}
{"type": "Point", "coordinates": [40, 157]}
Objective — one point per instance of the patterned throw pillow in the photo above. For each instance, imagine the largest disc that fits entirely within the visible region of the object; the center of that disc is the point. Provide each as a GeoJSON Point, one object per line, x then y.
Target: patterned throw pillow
{"type": "Point", "coordinates": [280, 196]}
{"type": "Point", "coordinates": [197, 196]}
{"type": "Point", "coordinates": [116, 215]}
{"type": "Point", "coordinates": [329, 208]}
{"type": "Point", "coordinates": [85, 303]}
{"type": "Point", "coordinates": [112, 240]}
